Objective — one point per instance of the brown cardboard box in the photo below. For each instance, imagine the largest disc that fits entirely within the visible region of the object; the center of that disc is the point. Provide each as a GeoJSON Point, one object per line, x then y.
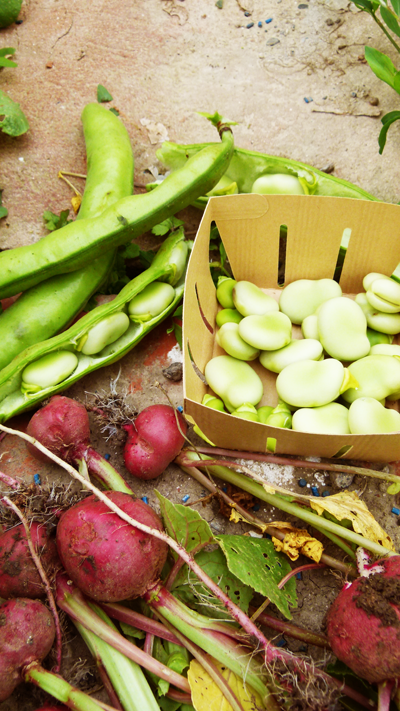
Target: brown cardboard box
{"type": "Point", "coordinates": [250, 228]}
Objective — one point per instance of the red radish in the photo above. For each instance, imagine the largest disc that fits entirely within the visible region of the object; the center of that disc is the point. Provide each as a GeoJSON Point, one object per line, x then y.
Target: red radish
{"type": "Point", "coordinates": [19, 576]}
{"type": "Point", "coordinates": [363, 624]}
{"type": "Point", "coordinates": [106, 558]}
{"type": "Point", "coordinates": [154, 440]}
{"type": "Point", "coordinates": [26, 635]}
{"type": "Point", "coordinates": [63, 427]}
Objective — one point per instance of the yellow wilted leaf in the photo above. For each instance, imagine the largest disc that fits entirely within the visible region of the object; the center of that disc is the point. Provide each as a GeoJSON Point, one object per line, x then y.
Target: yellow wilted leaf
{"type": "Point", "coordinates": [76, 203]}
{"type": "Point", "coordinates": [236, 517]}
{"type": "Point", "coordinates": [347, 505]}
{"type": "Point", "coordinates": [206, 695]}
{"type": "Point", "coordinates": [297, 541]}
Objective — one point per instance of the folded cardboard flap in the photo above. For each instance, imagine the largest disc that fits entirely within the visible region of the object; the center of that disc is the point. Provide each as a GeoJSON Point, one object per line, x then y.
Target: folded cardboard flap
{"type": "Point", "coordinates": [250, 227]}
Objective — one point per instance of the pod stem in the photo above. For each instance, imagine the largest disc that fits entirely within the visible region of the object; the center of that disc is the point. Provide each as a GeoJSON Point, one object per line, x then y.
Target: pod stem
{"type": "Point", "coordinates": [136, 619]}
{"type": "Point", "coordinates": [270, 653]}
{"type": "Point", "coordinates": [291, 630]}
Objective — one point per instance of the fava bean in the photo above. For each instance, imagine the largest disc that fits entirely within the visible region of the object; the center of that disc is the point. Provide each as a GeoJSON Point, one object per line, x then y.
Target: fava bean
{"type": "Point", "coordinates": [269, 331]}
{"type": "Point", "coordinates": [227, 316]}
{"type": "Point", "coordinates": [342, 329]}
{"type": "Point", "coordinates": [378, 376]}
{"type": "Point", "coordinates": [305, 349]}
{"type": "Point", "coordinates": [234, 381]}
{"type": "Point", "coordinates": [264, 412]}
{"type": "Point", "coordinates": [279, 184]}
{"type": "Point", "coordinates": [379, 321]}
{"type": "Point", "coordinates": [281, 416]}
{"type": "Point", "coordinates": [391, 349]}
{"type": "Point", "coordinates": [247, 411]}
{"type": "Point", "coordinates": [105, 332]}
{"type": "Point", "coordinates": [301, 298]}
{"type": "Point", "coordinates": [250, 300]}
{"type": "Point", "coordinates": [310, 383]}
{"type": "Point", "coordinates": [229, 338]}
{"type": "Point", "coordinates": [309, 327]}
{"type": "Point", "coordinates": [48, 371]}
{"type": "Point", "coordinates": [225, 287]}
{"type": "Point", "coordinates": [154, 299]}
{"type": "Point", "coordinates": [329, 419]}
{"type": "Point", "coordinates": [368, 416]}
{"type": "Point", "coordinates": [375, 337]}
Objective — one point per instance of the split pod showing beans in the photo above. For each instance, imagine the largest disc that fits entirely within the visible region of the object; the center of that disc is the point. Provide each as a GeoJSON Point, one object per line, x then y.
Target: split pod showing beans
{"type": "Point", "coordinates": [249, 171]}
{"type": "Point", "coordinates": [100, 337]}
{"type": "Point", "coordinates": [79, 242]}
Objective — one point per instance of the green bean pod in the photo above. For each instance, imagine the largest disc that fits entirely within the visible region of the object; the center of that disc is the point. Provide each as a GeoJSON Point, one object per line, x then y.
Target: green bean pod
{"type": "Point", "coordinates": [76, 244]}
{"type": "Point", "coordinates": [45, 309]}
{"type": "Point", "coordinates": [246, 167]}
{"type": "Point", "coordinates": [12, 398]}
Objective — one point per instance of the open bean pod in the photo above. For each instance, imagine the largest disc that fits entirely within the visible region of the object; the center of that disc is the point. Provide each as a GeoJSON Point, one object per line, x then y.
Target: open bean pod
{"type": "Point", "coordinates": [20, 384]}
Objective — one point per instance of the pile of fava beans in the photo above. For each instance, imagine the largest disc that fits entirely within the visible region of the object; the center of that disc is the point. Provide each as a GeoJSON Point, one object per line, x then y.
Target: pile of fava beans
{"type": "Point", "coordinates": [339, 378]}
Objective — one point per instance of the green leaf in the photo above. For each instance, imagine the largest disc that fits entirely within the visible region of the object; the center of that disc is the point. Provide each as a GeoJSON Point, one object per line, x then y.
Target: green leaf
{"type": "Point", "coordinates": [131, 251]}
{"type": "Point", "coordinates": [114, 111]}
{"type": "Point", "coordinates": [167, 704]}
{"type": "Point", "coordinates": [396, 82]}
{"type": "Point", "coordinates": [4, 52]}
{"type": "Point", "coordinates": [146, 257]}
{"type": "Point", "coordinates": [396, 6]}
{"type": "Point", "coordinates": [55, 222]}
{"type": "Point", "coordinates": [365, 5]}
{"type": "Point", "coordinates": [14, 121]}
{"type": "Point", "coordinates": [130, 631]}
{"type": "Point", "coordinates": [391, 21]}
{"type": "Point", "coordinates": [381, 65]}
{"type": "Point", "coordinates": [185, 525]}
{"type": "Point", "coordinates": [256, 562]}
{"type": "Point", "coordinates": [103, 94]}
{"type": "Point", "coordinates": [341, 671]}
{"type": "Point", "coordinates": [171, 223]}
{"type": "Point", "coordinates": [387, 121]}
{"type": "Point", "coordinates": [4, 62]}
{"type": "Point", "coordinates": [3, 210]}
{"type": "Point", "coordinates": [194, 594]}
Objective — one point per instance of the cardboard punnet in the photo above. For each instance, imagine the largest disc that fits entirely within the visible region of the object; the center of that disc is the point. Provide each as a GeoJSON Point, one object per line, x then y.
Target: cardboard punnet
{"type": "Point", "coordinates": [250, 228]}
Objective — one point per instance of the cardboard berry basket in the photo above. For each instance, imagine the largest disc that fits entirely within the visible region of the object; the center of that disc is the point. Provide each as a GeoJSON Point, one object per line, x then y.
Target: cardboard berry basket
{"type": "Point", "coordinates": [280, 238]}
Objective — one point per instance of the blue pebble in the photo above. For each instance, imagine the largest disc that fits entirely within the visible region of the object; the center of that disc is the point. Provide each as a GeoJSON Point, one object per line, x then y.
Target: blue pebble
{"type": "Point", "coordinates": [281, 643]}
{"type": "Point", "coordinates": [107, 457]}
{"type": "Point", "coordinates": [259, 24]}
{"type": "Point", "coordinates": [314, 491]}
{"type": "Point", "coordinates": [326, 492]}
{"type": "Point", "coordinates": [185, 498]}
{"type": "Point", "coordinates": [302, 482]}
{"type": "Point", "coordinates": [36, 479]}
{"type": "Point", "coordinates": [268, 20]}
{"type": "Point", "coordinates": [145, 499]}
{"type": "Point", "coordinates": [299, 576]}
{"type": "Point", "coordinates": [247, 13]}
{"type": "Point", "coordinates": [225, 489]}
{"type": "Point", "coordinates": [396, 511]}
{"type": "Point", "coordinates": [256, 507]}
{"type": "Point", "coordinates": [180, 408]}
{"type": "Point", "coordinates": [308, 99]}
{"type": "Point", "coordinates": [251, 24]}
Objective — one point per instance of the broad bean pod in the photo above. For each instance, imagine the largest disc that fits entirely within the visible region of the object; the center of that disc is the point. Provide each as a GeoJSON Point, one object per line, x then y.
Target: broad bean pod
{"type": "Point", "coordinates": [45, 309]}
{"type": "Point", "coordinates": [246, 167]}
{"type": "Point", "coordinates": [76, 244]}
{"type": "Point", "coordinates": [168, 265]}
